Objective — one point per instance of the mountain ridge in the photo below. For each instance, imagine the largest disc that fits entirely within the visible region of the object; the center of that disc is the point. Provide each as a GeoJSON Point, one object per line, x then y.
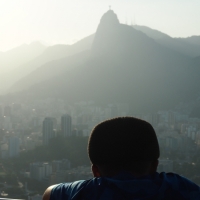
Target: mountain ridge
{"type": "Point", "coordinates": [51, 53]}
{"type": "Point", "coordinates": [186, 46]}
{"type": "Point", "coordinates": [124, 65]}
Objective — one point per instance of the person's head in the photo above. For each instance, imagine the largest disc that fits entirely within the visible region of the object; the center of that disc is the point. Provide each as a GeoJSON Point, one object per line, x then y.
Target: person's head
{"type": "Point", "coordinates": [123, 144]}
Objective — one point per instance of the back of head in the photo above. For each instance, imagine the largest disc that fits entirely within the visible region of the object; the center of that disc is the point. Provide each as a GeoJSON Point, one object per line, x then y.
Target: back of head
{"type": "Point", "coordinates": [124, 143]}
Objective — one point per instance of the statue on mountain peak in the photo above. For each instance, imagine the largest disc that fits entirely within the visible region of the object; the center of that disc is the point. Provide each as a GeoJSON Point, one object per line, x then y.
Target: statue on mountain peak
{"type": "Point", "coordinates": [109, 18]}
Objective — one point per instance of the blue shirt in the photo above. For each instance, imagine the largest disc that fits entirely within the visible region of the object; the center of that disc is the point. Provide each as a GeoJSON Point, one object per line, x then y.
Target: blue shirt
{"type": "Point", "coordinates": [126, 186]}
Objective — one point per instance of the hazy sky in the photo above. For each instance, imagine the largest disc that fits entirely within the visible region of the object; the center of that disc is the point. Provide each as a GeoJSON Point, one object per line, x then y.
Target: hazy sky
{"type": "Point", "coordinates": [66, 21]}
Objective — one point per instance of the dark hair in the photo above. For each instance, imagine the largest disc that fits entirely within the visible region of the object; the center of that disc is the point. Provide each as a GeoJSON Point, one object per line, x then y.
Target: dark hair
{"type": "Point", "coordinates": [123, 143]}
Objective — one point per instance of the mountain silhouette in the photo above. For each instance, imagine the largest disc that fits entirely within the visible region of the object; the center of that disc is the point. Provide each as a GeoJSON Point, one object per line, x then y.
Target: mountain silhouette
{"type": "Point", "coordinates": [50, 54]}
{"type": "Point", "coordinates": [12, 59]}
{"type": "Point", "coordinates": [192, 40]}
{"type": "Point", "coordinates": [124, 65]}
{"type": "Point", "coordinates": [20, 55]}
{"type": "Point", "coordinates": [188, 46]}
{"type": "Point", "coordinates": [152, 33]}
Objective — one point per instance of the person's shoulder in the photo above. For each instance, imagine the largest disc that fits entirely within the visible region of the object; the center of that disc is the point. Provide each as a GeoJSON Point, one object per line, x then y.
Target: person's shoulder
{"type": "Point", "coordinates": [179, 180]}
{"type": "Point", "coordinates": [47, 193]}
{"type": "Point", "coordinates": [179, 183]}
{"type": "Point", "coordinates": [63, 190]}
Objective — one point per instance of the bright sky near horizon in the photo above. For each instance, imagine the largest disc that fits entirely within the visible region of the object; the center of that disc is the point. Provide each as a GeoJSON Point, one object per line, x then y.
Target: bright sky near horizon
{"type": "Point", "coordinates": [66, 21]}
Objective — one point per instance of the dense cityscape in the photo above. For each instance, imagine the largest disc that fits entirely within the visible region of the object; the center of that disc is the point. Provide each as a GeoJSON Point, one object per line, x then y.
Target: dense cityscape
{"type": "Point", "coordinates": [25, 128]}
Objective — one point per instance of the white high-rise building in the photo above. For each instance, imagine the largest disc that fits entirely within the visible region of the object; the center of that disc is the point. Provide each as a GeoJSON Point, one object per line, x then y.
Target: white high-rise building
{"type": "Point", "coordinates": [39, 171]}
{"type": "Point", "coordinates": [47, 169]}
{"type": "Point", "coordinates": [14, 143]}
{"type": "Point", "coordinates": [7, 123]}
{"type": "Point", "coordinates": [58, 165]}
{"type": "Point", "coordinates": [47, 130]}
{"type": "Point", "coordinates": [7, 111]}
{"type": "Point", "coordinates": [66, 125]}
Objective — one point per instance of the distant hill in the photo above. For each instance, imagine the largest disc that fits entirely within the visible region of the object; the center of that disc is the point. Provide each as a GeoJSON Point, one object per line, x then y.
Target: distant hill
{"type": "Point", "coordinates": [50, 54]}
{"type": "Point", "coordinates": [188, 46]}
{"type": "Point", "coordinates": [50, 70]}
{"type": "Point", "coordinates": [195, 62]}
{"type": "Point", "coordinates": [152, 33]}
{"type": "Point", "coordinates": [124, 65]}
{"type": "Point", "coordinates": [195, 40]}
{"type": "Point", "coordinates": [11, 59]}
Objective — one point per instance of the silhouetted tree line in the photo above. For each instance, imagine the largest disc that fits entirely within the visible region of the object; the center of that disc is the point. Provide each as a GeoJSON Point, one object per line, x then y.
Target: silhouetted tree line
{"type": "Point", "coordinates": [72, 148]}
